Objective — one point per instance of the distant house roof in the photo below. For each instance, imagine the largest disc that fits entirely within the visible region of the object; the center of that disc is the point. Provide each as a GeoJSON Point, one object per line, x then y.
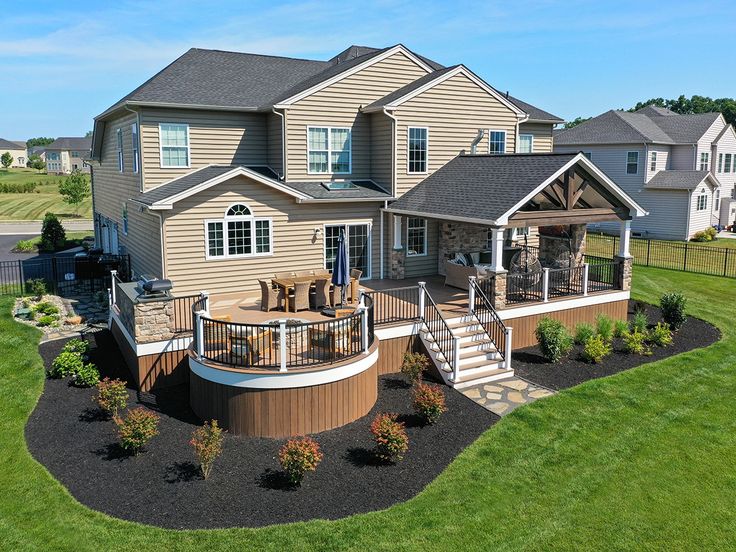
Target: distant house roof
{"type": "Point", "coordinates": [649, 125]}
{"type": "Point", "coordinates": [165, 195]}
{"type": "Point", "coordinates": [486, 188]}
{"type": "Point", "coordinates": [11, 145]}
{"type": "Point", "coordinates": [70, 143]}
{"type": "Point", "coordinates": [535, 114]}
{"type": "Point", "coordinates": [679, 180]}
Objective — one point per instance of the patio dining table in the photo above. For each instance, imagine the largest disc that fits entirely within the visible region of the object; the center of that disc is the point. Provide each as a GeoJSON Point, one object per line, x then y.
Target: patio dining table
{"type": "Point", "coordinates": [287, 284]}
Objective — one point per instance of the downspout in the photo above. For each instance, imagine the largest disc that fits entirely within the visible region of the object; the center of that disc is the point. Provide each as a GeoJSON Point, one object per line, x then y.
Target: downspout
{"type": "Point", "coordinates": [140, 154]}
{"type": "Point", "coordinates": [163, 247]}
{"type": "Point", "coordinates": [395, 124]}
{"type": "Point", "coordinates": [690, 195]}
{"type": "Point", "coordinates": [476, 141]}
{"type": "Point", "coordinates": [283, 141]}
{"type": "Point", "coordinates": [380, 245]}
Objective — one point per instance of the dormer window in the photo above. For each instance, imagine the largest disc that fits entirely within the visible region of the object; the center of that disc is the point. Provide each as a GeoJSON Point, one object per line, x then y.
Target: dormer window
{"type": "Point", "coordinates": [329, 150]}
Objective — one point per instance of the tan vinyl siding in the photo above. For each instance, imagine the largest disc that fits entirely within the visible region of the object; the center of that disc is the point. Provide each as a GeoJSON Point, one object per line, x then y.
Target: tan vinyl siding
{"type": "Point", "coordinates": [215, 137]}
{"type": "Point", "coordinates": [113, 189]}
{"type": "Point", "coordinates": [453, 110]}
{"type": "Point", "coordinates": [423, 265]}
{"type": "Point", "coordinates": [275, 149]}
{"type": "Point", "coordinates": [382, 132]}
{"type": "Point", "coordinates": [338, 105]}
{"type": "Point", "coordinates": [293, 238]}
{"type": "Point", "coordinates": [542, 133]}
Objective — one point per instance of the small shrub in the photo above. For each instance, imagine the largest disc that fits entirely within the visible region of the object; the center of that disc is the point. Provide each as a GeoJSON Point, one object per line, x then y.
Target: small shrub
{"type": "Point", "coordinates": [46, 320]}
{"type": "Point", "coordinates": [298, 456]}
{"type": "Point", "coordinates": [391, 440]}
{"type": "Point", "coordinates": [112, 396]}
{"type": "Point", "coordinates": [46, 308]}
{"type": "Point", "coordinates": [554, 339]}
{"type": "Point", "coordinates": [700, 236]}
{"type": "Point", "coordinates": [660, 335]}
{"type": "Point", "coordinates": [428, 401]}
{"type": "Point", "coordinates": [673, 309]}
{"type": "Point", "coordinates": [53, 236]}
{"type": "Point", "coordinates": [76, 345]}
{"type": "Point", "coordinates": [24, 246]}
{"type": "Point", "coordinates": [86, 376]}
{"type": "Point", "coordinates": [639, 323]}
{"type": "Point", "coordinates": [636, 343]}
{"type": "Point", "coordinates": [65, 364]}
{"type": "Point", "coordinates": [207, 444]}
{"type": "Point", "coordinates": [413, 366]}
{"type": "Point", "coordinates": [596, 349]}
{"type": "Point", "coordinates": [604, 327]}
{"type": "Point", "coordinates": [583, 332]}
{"type": "Point", "coordinates": [620, 327]}
{"type": "Point", "coordinates": [36, 287]}
{"type": "Point", "coordinates": [136, 429]}
{"type": "Point", "coordinates": [711, 232]}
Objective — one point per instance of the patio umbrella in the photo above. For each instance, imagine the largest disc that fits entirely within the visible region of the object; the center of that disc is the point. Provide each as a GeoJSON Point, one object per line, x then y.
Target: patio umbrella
{"type": "Point", "coordinates": [340, 269]}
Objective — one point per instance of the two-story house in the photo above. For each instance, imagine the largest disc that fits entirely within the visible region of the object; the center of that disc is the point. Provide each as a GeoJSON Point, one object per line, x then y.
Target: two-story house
{"type": "Point", "coordinates": [68, 154]}
{"type": "Point", "coordinates": [680, 168]}
{"type": "Point", "coordinates": [16, 149]}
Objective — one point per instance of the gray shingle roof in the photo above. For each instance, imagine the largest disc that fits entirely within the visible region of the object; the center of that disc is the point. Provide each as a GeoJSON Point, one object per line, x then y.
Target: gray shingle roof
{"type": "Point", "coordinates": [365, 189]}
{"type": "Point", "coordinates": [654, 111]}
{"type": "Point", "coordinates": [643, 126]}
{"type": "Point", "coordinates": [10, 145]}
{"type": "Point", "coordinates": [676, 180]}
{"type": "Point", "coordinates": [481, 187]}
{"type": "Point", "coordinates": [535, 114]}
{"type": "Point", "coordinates": [70, 143]}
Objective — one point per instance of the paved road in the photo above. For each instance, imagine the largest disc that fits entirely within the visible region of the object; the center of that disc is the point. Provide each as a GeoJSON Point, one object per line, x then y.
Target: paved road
{"type": "Point", "coordinates": [33, 227]}
{"type": "Point", "coordinates": [8, 242]}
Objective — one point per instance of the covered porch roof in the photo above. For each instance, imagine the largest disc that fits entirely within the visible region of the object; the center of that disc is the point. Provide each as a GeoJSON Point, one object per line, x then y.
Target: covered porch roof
{"type": "Point", "coordinates": [519, 190]}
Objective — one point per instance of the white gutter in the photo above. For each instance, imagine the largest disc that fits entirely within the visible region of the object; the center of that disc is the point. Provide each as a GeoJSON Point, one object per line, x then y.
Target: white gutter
{"type": "Point", "coordinates": [395, 124]}
{"type": "Point", "coordinates": [283, 141]}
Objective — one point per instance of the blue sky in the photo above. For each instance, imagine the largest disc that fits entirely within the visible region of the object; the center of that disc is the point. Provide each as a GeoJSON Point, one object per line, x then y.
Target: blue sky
{"type": "Point", "coordinates": [61, 63]}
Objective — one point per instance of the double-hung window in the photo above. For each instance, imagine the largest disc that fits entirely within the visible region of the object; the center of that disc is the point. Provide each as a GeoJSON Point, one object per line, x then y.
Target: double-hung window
{"type": "Point", "coordinates": [704, 161]}
{"type": "Point", "coordinates": [119, 135]}
{"type": "Point", "coordinates": [416, 237]}
{"type": "Point", "coordinates": [632, 162]}
{"type": "Point", "coordinates": [526, 143]}
{"type": "Point", "coordinates": [727, 163]}
{"type": "Point", "coordinates": [417, 159]}
{"type": "Point", "coordinates": [134, 143]}
{"type": "Point", "coordinates": [329, 150]}
{"type": "Point", "coordinates": [496, 141]}
{"type": "Point", "coordinates": [717, 201]}
{"type": "Point", "coordinates": [653, 161]}
{"type": "Point", "coordinates": [702, 201]}
{"type": "Point", "coordinates": [125, 219]}
{"type": "Point", "coordinates": [174, 139]}
{"type": "Point", "coordinates": [238, 234]}
{"type": "Point", "coordinates": [720, 162]}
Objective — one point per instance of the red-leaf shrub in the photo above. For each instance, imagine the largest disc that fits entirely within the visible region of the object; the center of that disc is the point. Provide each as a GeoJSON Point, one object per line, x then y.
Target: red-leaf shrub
{"type": "Point", "coordinates": [413, 366]}
{"type": "Point", "coordinates": [112, 396]}
{"type": "Point", "coordinates": [138, 427]}
{"type": "Point", "coordinates": [207, 444]}
{"type": "Point", "coordinates": [390, 437]}
{"type": "Point", "coordinates": [428, 400]}
{"type": "Point", "coordinates": [298, 456]}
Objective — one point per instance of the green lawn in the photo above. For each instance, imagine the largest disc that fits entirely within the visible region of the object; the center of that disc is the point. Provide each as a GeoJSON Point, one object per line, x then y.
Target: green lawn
{"type": "Point", "coordinates": [45, 198]}
{"type": "Point", "coordinates": [643, 460]}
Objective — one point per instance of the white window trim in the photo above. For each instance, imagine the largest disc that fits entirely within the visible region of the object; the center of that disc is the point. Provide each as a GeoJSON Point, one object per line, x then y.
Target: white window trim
{"type": "Point", "coordinates": [224, 220]}
{"type": "Point", "coordinates": [728, 163]}
{"type": "Point", "coordinates": [720, 162]}
{"type": "Point", "coordinates": [161, 148]}
{"type": "Point", "coordinates": [519, 146]}
{"type": "Point", "coordinates": [346, 224]}
{"type": "Point", "coordinates": [134, 140]}
{"type": "Point", "coordinates": [702, 194]}
{"type": "Point", "coordinates": [119, 145]}
{"type": "Point", "coordinates": [717, 201]}
{"type": "Point", "coordinates": [505, 141]}
{"type": "Point", "coordinates": [426, 230]}
{"type": "Point", "coordinates": [426, 162]}
{"type": "Point", "coordinates": [638, 160]}
{"type": "Point", "coordinates": [653, 159]}
{"type": "Point", "coordinates": [329, 148]}
{"type": "Point", "coordinates": [705, 163]}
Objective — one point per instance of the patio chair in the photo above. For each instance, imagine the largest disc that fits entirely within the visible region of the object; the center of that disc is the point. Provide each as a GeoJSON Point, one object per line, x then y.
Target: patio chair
{"type": "Point", "coordinates": [302, 273]}
{"type": "Point", "coordinates": [322, 272]}
{"type": "Point", "coordinates": [354, 273]}
{"type": "Point", "coordinates": [336, 295]}
{"type": "Point", "coordinates": [300, 299]}
{"type": "Point", "coordinates": [270, 298]}
{"type": "Point", "coordinates": [280, 275]}
{"type": "Point", "coordinates": [252, 347]}
{"type": "Point", "coordinates": [320, 296]}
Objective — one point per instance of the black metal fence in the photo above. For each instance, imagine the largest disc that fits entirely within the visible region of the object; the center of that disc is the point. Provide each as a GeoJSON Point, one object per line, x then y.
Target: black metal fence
{"type": "Point", "coordinates": [395, 305]}
{"type": "Point", "coordinates": [685, 256]}
{"type": "Point", "coordinates": [63, 275]}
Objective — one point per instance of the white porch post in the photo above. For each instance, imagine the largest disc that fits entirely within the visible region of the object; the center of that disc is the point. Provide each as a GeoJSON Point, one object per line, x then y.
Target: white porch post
{"type": "Point", "coordinates": [199, 335]}
{"type": "Point", "coordinates": [397, 232]}
{"type": "Point", "coordinates": [421, 303]}
{"type": "Point", "coordinates": [586, 273]}
{"type": "Point", "coordinates": [204, 294]}
{"type": "Point", "coordinates": [625, 239]}
{"type": "Point", "coordinates": [471, 295]}
{"type": "Point", "coordinates": [455, 359]}
{"type": "Point", "coordinates": [364, 329]}
{"type": "Point", "coordinates": [113, 274]}
{"type": "Point", "coordinates": [507, 349]}
{"type": "Point", "coordinates": [282, 344]}
{"type": "Point", "coordinates": [497, 250]}
{"type": "Point", "coordinates": [545, 284]}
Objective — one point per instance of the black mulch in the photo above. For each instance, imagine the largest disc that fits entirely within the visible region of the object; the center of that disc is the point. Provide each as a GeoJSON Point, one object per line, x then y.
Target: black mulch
{"type": "Point", "coordinates": [529, 364]}
{"type": "Point", "coordinates": [162, 485]}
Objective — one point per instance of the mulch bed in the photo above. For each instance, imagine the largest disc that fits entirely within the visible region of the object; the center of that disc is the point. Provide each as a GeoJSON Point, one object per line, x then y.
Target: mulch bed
{"type": "Point", "coordinates": [162, 485]}
{"type": "Point", "coordinates": [529, 364]}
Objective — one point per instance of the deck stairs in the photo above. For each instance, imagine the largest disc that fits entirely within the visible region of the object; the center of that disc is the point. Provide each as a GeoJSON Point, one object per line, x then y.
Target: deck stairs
{"type": "Point", "coordinates": [478, 359]}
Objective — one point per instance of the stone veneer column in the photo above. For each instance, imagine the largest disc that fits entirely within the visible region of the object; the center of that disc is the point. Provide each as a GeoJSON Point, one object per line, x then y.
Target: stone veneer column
{"type": "Point", "coordinates": [459, 237]}
{"type": "Point", "coordinates": [624, 273]}
{"type": "Point", "coordinates": [499, 290]}
{"type": "Point", "coordinates": [397, 264]}
{"type": "Point", "coordinates": [154, 321]}
{"type": "Point", "coordinates": [577, 239]}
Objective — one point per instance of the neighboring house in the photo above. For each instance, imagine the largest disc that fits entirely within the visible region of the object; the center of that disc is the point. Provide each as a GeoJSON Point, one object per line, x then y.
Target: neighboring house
{"type": "Point", "coordinates": [67, 154]}
{"type": "Point", "coordinates": [680, 168]}
{"type": "Point", "coordinates": [38, 150]}
{"type": "Point", "coordinates": [17, 149]}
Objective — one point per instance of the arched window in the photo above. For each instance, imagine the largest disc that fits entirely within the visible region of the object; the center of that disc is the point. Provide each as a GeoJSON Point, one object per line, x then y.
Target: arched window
{"type": "Point", "coordinates": [238, 234]}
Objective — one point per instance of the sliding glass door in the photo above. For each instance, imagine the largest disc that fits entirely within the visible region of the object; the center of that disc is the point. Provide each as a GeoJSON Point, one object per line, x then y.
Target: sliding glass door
{"type": "Point", "coordinates": [358, 238]}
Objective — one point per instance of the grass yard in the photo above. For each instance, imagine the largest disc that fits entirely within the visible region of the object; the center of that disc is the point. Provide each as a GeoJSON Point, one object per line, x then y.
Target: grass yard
{"type": "Point", "coordinates": [641, 460]}
{"type": "Point", "coordinates": [33, 205]}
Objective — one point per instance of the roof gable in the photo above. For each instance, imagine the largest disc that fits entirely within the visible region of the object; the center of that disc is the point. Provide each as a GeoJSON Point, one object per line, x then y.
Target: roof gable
{"type": "Point", "coordinates": [10, 145]}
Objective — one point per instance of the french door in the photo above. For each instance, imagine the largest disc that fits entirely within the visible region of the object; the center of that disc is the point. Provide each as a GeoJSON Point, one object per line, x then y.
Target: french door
{"type": "Point", "coordinates": [358, 238]}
